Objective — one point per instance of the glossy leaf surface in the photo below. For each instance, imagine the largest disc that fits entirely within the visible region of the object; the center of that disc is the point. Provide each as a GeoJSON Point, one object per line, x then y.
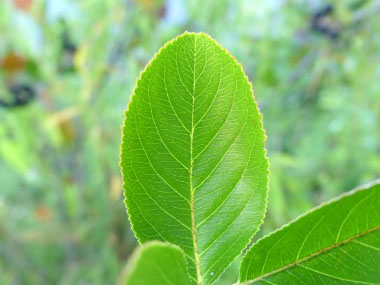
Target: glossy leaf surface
{"type": "Point", "coordinates": [336, 243]}
{"type": "Point", "coordinates": [156, 263]}
{"type": "Point", "coordinates": [193, 158]}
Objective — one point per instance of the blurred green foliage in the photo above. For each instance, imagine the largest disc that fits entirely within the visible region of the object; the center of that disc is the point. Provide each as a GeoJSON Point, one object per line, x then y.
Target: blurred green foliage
{"type": "Point", "coordinates": [67, 69]}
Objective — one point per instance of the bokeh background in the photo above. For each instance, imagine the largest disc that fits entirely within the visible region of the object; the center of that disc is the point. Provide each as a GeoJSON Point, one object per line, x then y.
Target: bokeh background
{"type": "Point", "coordinates": [67, 69]}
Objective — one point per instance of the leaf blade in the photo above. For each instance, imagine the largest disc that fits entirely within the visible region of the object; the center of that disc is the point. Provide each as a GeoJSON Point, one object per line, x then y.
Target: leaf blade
{"type": "Point", "coordinates": [153, 263]}
{"type": "Point", "coordinates": [193, 155]}
{"type": "Point", "coordinates": [302, 249]}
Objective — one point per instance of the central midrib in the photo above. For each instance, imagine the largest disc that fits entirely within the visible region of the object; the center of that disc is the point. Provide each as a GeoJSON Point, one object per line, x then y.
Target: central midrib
{"type": "Point", "coordinates": [193, 226]}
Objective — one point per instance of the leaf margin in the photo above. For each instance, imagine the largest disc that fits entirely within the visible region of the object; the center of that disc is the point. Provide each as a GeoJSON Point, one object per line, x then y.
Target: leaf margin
{"type": "Point", "coordinates": [260, 122]}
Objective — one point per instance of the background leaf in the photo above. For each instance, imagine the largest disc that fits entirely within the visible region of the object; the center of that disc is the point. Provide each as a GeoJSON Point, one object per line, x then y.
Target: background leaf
{"type": "Point", "coordinates": [193, 157]}
{"type": "Point", "coordinates": [156, 263]}
{"type": "Point", "coordinates": [338, 243]}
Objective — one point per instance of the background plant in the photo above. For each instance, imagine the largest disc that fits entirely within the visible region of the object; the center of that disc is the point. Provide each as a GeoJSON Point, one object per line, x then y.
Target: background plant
{"type": "Point", "coordinates": [62, 218]}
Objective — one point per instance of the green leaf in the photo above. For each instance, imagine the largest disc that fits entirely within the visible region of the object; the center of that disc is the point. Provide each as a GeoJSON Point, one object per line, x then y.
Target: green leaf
{"type": "Point", "coordinates": [156, 263]}
{"type": "Point", "coordinates": [336, 243]}
{"type": "Point", "coordinates": [193, 158]}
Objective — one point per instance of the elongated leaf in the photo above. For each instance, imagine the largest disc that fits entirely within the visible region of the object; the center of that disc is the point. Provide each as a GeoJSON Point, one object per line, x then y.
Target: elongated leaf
{"type": "Point", "coordinates": [336, 243]}
{"type": "Point", "coordinates": [193, 158]}
{"type": "Point", "coordinates": [156, 263]}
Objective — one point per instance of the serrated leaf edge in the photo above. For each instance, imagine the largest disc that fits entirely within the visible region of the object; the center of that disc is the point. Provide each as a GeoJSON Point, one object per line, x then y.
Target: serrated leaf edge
{"type": "Point", "coordinates": [261, 221]}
